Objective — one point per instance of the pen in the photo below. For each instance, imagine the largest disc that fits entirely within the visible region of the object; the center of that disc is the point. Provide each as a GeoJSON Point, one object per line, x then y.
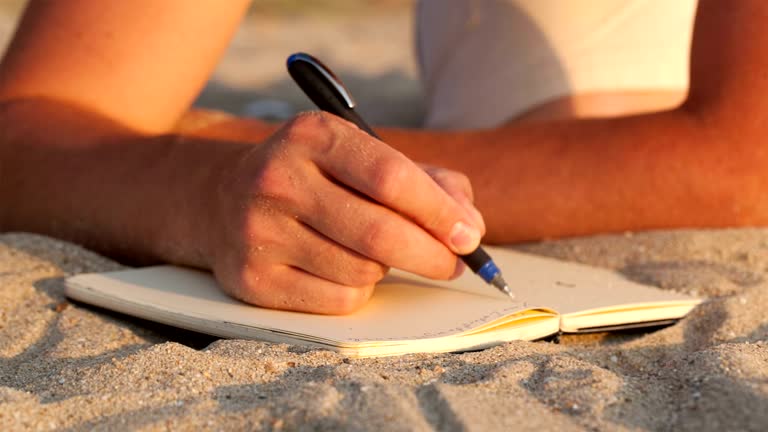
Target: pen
{"type": "Point", "coordinates": [329, 94]}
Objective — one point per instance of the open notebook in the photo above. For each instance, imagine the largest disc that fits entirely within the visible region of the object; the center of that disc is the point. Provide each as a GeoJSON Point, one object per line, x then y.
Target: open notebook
{"type": "Point", "coordinates": [407, 313]}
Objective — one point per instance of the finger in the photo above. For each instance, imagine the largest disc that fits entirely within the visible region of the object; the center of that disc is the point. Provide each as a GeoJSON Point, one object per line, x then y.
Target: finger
{"type": "Point", "coordinates": [318, 255]}
{"type": "Point", "coordinates": [446, 177]}
{"type": "Point", "coordinates": [387, 176]}
{"type": "Point", "coordinates": [457, 186]}
{"type": "Point", "coordinates": [291, 288]}
{"type": "Point", "coordinates": [459, 270]}
{"type": "Point", "coordinates": [377, 232]}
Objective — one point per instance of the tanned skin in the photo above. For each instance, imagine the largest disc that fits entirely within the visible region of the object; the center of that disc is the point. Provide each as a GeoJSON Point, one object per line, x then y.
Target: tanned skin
{"type": "Point", "coordinates": [305, 218]}
{"type": "Point", "coordinates": [97, 147]}
{"type": "Point", "coordinates": [701, 164]}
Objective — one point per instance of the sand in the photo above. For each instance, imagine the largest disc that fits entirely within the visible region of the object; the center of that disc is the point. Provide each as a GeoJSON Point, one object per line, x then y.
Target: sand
{"type": "Point", "coordinates": [372, 53]}
{"type": "Point", "coordinates": [67, 366]}
{"type": "Point", "coordinates": [70, 367]}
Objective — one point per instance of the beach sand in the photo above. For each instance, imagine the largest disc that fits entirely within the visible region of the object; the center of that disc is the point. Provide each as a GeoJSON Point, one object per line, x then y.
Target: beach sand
{"type": "Point", "coordinates": [69, 367]}
{"type": "Point", "coordinates": [66, 366]}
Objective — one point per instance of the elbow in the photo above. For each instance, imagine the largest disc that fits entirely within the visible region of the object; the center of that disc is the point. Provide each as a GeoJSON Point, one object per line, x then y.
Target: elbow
{"type": "Point", "coordinates": [731, 155]}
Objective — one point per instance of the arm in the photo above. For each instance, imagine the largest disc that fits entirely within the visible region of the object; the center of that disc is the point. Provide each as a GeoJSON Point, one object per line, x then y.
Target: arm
{"type": "Point", "coordinates": [703, 164]}
{"type": "Point", "coordinates": [85, 91]}
{"type": "Point", "coordinates": [140, 63]}
{"type": "Point", "coordinates": [307, 218]}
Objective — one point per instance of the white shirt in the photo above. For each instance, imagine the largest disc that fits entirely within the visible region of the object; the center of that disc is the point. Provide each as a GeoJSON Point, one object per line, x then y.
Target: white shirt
{"type": "Point", "coordinates": [484, 62]}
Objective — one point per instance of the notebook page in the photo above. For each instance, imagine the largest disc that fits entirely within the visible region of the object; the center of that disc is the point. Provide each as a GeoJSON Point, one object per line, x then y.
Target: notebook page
{"type": "Point", "coordinates": [399, 310]}
{"type": "Point", "coordinates": [563, 286]}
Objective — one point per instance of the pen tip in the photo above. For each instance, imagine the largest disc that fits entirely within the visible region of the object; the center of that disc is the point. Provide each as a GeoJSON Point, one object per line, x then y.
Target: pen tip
{"type": "Point", "coordinates": [502, 286]}
{"type": "Point", "coordinates": [508, 292]}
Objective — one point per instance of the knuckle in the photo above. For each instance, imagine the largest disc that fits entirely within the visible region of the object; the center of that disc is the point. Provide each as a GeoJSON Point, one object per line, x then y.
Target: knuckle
{"type": "Point", "coordinates": [368, 272]}
{"type": "Point", "coordinates": [466, 185]}
{"type": "Point", "coordinates": [324, 119]}
{"type": "Point", "coordinates": [351, 299]}
{"type": "Point", "coordinates": [388, 179]}
{"type": "Point", "coordinates": [254, 285]}
{"type": "Point", "coordinates": [290, 132]}
{"type": "Point", "coordinates": [348, 269]}
{"type": "Point", "coordinates": [275, 182]}
{"type": "Point", "coordinates": [299, 129]}
{"type": "Point", "coordinates": [377, 240]}
{"type": "Point", "coordinates": [271, 179]}
{"type": "Point", "coordinates": [304, 120]}
{"type": "Point", "coordinates": [260, 238]}
{"type": "Point", "coordinates": [441, 175]}
{"type": "Point", "coordinates": [312, 119]}
{"type": "Point", "coordinates": [311, 122]}
{"type": "Point", "coordinates": [454, 182]}
{"type": "Point", "coordinates": [319, 131]}
{"type": "Point", "coordinates": [462, 180]}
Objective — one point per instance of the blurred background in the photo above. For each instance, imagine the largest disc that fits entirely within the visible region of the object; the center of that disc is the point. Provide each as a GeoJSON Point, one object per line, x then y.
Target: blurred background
{"type": "Point", "coordinates": [368, 43]}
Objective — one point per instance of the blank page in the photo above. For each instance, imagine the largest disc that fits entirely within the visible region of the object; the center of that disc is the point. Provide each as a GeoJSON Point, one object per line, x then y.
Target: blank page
{"type": "Point", "coordinates": [398, 310]}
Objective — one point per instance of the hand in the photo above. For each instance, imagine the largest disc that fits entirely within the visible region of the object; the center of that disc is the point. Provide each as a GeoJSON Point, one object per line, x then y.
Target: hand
{"type": "Point", "coordinates": [311, 219]}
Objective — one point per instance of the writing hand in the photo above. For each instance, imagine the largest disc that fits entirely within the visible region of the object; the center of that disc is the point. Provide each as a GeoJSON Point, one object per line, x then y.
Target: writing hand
{"type": "Point", "coordinates": [311, 219]}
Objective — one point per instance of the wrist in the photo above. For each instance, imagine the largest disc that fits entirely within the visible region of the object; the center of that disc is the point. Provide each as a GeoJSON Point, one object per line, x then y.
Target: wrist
{"type": "Point", "coordinates": [205, 149]}
{"type": "Point", "coordinates": [200, 170]}
{"type": "Point", "coordinates": [185, 232]}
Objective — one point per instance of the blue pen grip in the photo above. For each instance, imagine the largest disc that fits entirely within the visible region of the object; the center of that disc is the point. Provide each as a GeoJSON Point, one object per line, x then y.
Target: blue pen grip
{"type": "Point", "coordinates": [488, 271]}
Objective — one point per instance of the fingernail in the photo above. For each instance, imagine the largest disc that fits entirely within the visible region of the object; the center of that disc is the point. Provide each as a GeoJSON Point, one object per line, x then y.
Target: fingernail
{"type": "Point", "coordinates": [464, 238]}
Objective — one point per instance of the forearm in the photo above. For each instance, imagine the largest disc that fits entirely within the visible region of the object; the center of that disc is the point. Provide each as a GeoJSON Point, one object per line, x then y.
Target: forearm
{"type": "Point", "coordinates": [575, 177]}
{"type": "Point", "coordinates": [78, 176]}
{"type": "Point", "coordinates": [703, 164]}
{"type": "Point", "coordinates": [140, 62]}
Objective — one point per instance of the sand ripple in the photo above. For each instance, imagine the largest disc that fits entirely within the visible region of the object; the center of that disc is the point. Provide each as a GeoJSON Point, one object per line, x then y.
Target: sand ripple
{"type": "Point", "coordinates": [68, 367]}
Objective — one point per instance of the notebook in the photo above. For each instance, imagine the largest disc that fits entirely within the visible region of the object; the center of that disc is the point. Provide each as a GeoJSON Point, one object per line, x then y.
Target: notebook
{"type": "Point", "coordinates": [407, 313]}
